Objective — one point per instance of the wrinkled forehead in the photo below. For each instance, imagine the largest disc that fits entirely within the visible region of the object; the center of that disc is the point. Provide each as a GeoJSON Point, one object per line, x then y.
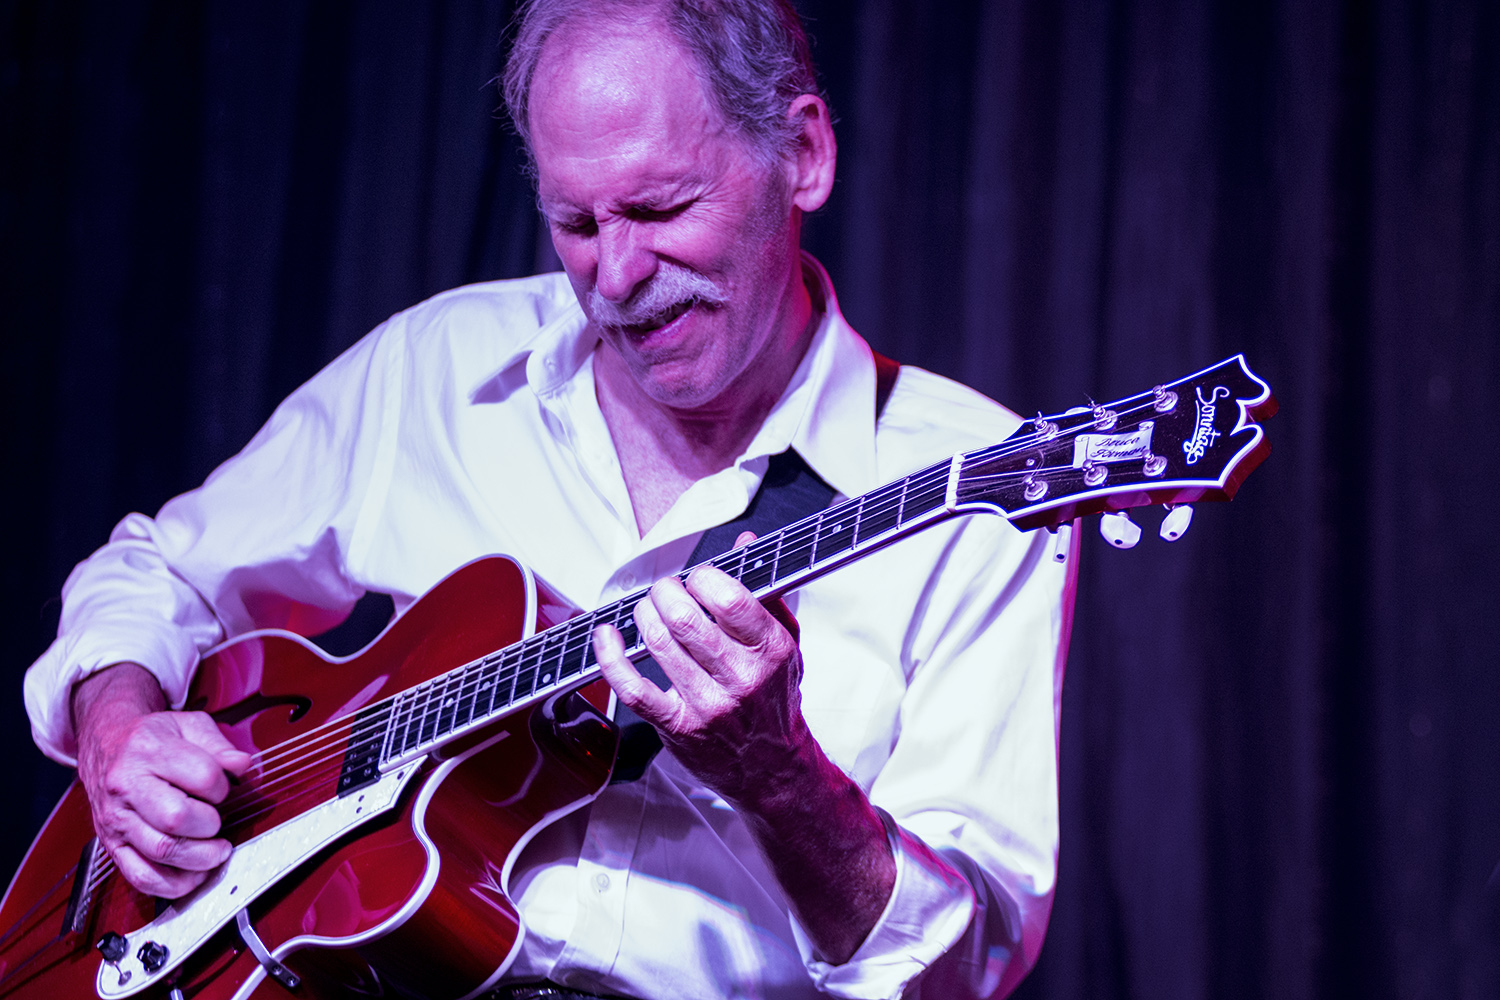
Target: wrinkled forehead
{"type": "Point", "coordinates": [616, 93]}
{"type": "Point", "coordinates": [614, 72]}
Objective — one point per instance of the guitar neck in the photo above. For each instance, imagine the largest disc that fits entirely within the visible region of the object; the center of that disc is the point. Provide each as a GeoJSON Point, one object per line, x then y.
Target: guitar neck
{"type": "Point", "coordinates": [1189, 440]}
{"type": "Point", "coordinates": [430, 714]}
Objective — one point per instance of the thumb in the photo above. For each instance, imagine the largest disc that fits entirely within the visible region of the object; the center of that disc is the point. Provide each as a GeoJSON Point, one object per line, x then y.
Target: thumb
{"type": "Point", "coordinates": [199, 729]}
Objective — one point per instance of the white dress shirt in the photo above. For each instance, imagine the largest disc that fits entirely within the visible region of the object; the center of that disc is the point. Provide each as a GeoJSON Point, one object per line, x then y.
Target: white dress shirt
{"type": "Point", "coordinates": [468, 425]}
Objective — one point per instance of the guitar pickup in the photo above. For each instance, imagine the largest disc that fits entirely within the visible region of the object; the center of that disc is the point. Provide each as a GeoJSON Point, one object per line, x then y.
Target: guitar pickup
{"type": "Point", "coordinates": [366, 740]}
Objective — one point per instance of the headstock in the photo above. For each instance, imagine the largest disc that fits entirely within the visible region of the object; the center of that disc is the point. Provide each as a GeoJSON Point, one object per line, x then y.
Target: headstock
{"type": "Point", "coordinates": [1193, 439]}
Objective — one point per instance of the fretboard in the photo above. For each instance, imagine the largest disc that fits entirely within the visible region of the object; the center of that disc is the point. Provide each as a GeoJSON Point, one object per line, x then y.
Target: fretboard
{"type": "Point", "coordinates": [426, 716]}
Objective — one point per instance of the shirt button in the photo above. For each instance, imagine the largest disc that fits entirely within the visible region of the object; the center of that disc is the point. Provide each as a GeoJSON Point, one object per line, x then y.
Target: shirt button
{"type": "Point", "coordinates": [601, 882]}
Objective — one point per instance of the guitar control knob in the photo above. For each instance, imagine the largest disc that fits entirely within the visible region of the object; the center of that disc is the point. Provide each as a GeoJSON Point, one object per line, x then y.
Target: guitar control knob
{"type": "Point", "coordinates": [1119, 530]}
{"type": "Point", "coordinates": [1175, 524]}
{"type": "Point", "coordinates": [153, 956]}
{"type": "Point", "coordinates": [112, 946]}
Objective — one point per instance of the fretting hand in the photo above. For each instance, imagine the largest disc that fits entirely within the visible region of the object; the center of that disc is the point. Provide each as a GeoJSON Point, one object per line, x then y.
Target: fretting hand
{"type": "Point", "coordinates": [733, 717]}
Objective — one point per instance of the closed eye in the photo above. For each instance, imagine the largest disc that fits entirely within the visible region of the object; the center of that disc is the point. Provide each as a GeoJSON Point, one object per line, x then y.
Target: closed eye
{"type": "Point", "coordinates": [650, 213]}
{"type": "Point", "coordinates": [583, 225]}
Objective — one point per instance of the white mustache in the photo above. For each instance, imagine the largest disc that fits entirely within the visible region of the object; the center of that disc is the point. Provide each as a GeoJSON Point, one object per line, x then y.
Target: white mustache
{"type": "Point", "coordinates": [672, 286]}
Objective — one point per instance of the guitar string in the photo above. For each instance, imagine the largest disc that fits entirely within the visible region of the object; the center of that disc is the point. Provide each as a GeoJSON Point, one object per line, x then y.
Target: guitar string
{"type": "Point", "coordinates": [299, 754]}
{"type": "Point", "coordinates": [509, 664]}
{"type": "Point", "coordinates": [574, 638]}
{"type": "Point", "coordinates": [296, 757]}
{"type": "Point", "coordinates": [569, 644]}
{"type": "Point", "coordinates": [491, 673]}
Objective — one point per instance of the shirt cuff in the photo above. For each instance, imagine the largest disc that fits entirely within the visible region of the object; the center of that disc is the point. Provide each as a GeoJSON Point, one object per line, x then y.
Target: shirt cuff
{"type": "Point", "coordinates": [169, 654]}
{"type": "Point", "coordinates": [930, 905]}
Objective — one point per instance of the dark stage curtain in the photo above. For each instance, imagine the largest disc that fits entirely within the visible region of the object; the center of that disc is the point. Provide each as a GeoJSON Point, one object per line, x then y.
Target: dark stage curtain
{"type": "Point", "coordinates": [1281, 735]}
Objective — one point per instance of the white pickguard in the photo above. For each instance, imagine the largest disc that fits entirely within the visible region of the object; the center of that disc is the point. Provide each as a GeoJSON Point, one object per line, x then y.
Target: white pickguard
{"type": "Point", "coordinates": [254, 867]}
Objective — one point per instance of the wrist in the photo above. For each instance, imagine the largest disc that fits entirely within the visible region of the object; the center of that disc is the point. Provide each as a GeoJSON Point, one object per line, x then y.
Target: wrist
{"type": "Point", "coordinates": [117, 693]}
{"type": "Point", "coordinates": [786, 776]}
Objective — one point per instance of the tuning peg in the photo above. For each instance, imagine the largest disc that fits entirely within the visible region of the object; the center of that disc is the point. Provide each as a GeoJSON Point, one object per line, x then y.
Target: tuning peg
{"type": "Point", "coordinates": [1175, 524]}
{"type": "Point", "coordinates": [1119, 530]}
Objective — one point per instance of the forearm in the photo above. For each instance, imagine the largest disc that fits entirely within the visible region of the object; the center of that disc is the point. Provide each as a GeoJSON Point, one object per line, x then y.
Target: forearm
{"type": "Point", "coordinates": [123, 687]}
{"type": "Point", "coordinates": [827, 847]}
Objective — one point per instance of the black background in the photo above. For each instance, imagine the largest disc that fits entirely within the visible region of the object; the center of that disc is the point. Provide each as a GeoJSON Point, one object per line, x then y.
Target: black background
{"type": "Point", "coordinates": [1280, 743]}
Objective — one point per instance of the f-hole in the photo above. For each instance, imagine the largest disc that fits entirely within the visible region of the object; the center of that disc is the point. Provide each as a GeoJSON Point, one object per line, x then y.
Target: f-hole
{"type": "Point", "coordinates": [234, 714]}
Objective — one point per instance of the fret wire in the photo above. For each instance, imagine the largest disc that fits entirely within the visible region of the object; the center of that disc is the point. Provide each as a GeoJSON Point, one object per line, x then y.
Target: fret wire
{"type": "Point", "coordinates": [391, 727]}
{"type": "Point", "coordinates": [430, 697]}
{"type": "Point", "coordinates": [456, 696]}
{"type": "Point", "coordinates": [443, 699]}
{"type": "Point", "coordinates": [776, 557]}
{"type": "Point", "coordinates": [491, 673]}
{"type": "Point", "coordinates": [466, 697]}
{"type": "Point", "coordinates": [482, 678]}
{"type": "Point", "coordinates": [803, 537]}
{"type": "Point", "coordinates": [427, 693]}
{"type": "Point", "coordinates": [448, 719]}
{"type": "Point", "coordinates": [559, 645]}
{"type": "Point", "coordinates": [446, 705]}
{"type": "Point", "coordinates": [419, 715]}
{"type": "Point", "coordinates": [509, 670]}
{"type": "Point", "coordinates": [586, 637]}
{"type": "Point", "coordinates": [408, 714]}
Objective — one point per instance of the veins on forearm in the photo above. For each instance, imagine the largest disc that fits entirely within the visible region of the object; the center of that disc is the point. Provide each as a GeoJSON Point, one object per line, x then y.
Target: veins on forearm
{"type": "Point", "coordinates": [828, 849]}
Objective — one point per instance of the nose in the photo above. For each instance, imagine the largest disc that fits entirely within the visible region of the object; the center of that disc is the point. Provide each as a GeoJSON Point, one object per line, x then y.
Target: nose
{"type": "Point", "coordinates": [624, 262]}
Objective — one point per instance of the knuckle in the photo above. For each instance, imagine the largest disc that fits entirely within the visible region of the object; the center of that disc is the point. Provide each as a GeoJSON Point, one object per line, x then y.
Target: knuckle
{"type": "Point", "coordinates": [175, 817]}
{"type": "Point", "coordinates": [654, 632]}
{"type": "Point", "coordinates": [739, 603]}
{"type": "Point", "coordinates": [164, 848]}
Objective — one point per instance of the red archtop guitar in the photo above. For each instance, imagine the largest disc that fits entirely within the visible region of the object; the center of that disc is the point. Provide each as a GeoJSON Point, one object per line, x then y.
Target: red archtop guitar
{"type": "Point", "coordinates": [392, 790]}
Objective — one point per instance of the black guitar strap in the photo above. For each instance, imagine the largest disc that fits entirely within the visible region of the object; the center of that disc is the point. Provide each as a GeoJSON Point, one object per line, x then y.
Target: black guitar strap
{"type": "Point", "coordinates": [790, 491]}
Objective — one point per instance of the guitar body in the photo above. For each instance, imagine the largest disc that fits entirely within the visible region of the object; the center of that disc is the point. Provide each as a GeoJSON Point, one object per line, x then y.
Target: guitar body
{"type": "Point", "coordinates": [409, 902]}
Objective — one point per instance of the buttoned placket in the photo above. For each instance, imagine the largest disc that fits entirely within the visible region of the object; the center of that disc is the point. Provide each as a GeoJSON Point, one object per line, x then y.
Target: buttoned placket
{"type": "Point", "coordinates": [614, 828]}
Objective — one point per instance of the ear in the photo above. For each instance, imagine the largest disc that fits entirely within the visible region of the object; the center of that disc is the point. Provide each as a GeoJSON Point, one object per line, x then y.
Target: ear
{"type": "Point", "coordinates": [815, 155]}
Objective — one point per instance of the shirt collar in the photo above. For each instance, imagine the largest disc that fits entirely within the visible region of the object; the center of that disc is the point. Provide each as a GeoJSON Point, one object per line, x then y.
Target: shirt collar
{"type": "Point", "coordinates": [552, 355]}
{"type": "Point", "coordinates": [827, 411]}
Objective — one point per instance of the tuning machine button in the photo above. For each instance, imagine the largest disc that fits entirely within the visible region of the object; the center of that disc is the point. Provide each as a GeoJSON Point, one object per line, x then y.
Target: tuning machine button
{"type": "Point", "coordinates": [1045, 429]}
{"type": "Point", "coordinates": [1034, 488]}
{"type": "Point", "coordinates": [1154, 465]}
{"type": "Point", "coordinates": [1094, 473]}
{"type": "Point", "coordinates": [1175, 524]}
{"type": "Point", "coordinates": [1119, 530]}
{"type": "Point", "coordinates": [1105, 418]}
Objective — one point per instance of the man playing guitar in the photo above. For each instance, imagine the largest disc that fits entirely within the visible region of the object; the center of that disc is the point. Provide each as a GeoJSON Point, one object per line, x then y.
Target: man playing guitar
{"type": "Point", "coordinates": [858, 791]}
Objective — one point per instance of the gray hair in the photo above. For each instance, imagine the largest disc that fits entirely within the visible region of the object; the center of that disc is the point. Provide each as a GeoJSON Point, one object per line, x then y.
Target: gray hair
{"type": "Point", "coordinates": [752, 55]}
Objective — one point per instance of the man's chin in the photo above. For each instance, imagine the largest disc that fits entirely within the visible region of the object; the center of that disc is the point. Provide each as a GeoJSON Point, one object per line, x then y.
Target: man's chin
{"type": "Point", "coordinates": [681, 383]}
